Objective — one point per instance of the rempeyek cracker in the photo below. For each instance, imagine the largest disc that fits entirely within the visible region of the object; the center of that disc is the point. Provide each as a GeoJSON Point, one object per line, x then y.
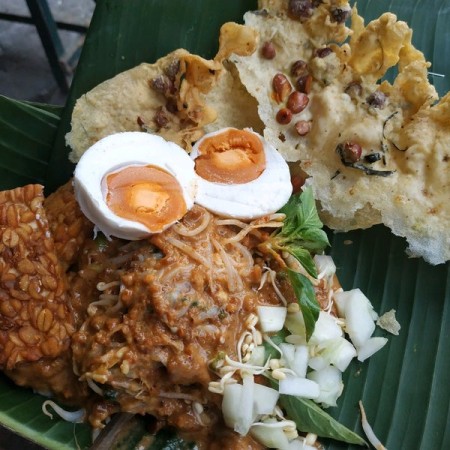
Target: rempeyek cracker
{"type": "Point", "coordinates": [176, 97]}
{"type": "Point", "coordinates": [374, 152]}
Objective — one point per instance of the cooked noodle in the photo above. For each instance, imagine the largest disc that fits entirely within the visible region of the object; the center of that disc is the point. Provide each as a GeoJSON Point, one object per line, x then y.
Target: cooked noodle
{"type": "Point", "coordinates": [235, 283]}
{"type": "Point", "coordinates": [121, 259]}
{"type": "Point", "coordinates": [183, 231]}
{"type": "Point", "coordinates": [235, 222]}
{"type": "Point", "coordinates": [188, 250]}
{"type": "Point", "coordinates": [173, 273]}
{"type": "Point", "coordinates": [247, 256]}
{"type": "Point", "coordinates": [206, 330]}
{"type": "Point", "coordinates": [251, 227]}
{"type": "Point", "coordinates": [272, 277]}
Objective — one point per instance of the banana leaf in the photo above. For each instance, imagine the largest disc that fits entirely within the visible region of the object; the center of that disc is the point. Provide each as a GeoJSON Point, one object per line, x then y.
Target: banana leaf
{"type": "Point", "coordinates": [405, 387]}
{"type": "Point", "coordinates": [27, 133]}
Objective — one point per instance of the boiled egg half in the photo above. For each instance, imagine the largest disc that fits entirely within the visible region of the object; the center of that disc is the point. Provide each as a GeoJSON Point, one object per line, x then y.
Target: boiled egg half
{"type": "Point", "coordinates": [134, 184]}
{"type": "Point", "coordinates": [240, 174]}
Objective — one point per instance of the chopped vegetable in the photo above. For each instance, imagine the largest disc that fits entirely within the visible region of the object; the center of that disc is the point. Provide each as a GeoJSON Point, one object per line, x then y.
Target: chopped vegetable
{"type": "Point", "coordinates": [288, 353]}
{"type": "Point", "coordinates": [326, 328]}
{"type": "Point", "coordinates": [271, 318]}
{"type": "Point", "coordinates": [296, 324]}
{"type": "Point", "coordinates": [265, 399]}
{"type": "Point", "coordinates": [325, 267]}
{"type": "Point", "coordinates": [237, 405]}
{"type": "Point", "coordinates": [299, 444]}
{"type": "Point", "coordinates": [300, 362]}
{"type": "Point", "coordinates": [370, 347]}
{"type": "Point", "coordinates": [305, 349]}
{"type": "Point", "coordinates": [330, 384]}
{"type": "Point", "coordinates": [339, 352]}
{"type": "Point", "coordinates": [355, 307]}
{"type": "Point", "coordinates": [271, 437]}
{"type": "Point", "coordinates": [257, 358]}
{"type": "Point", "coordinates": [299, 387]}
{"type": "Point", "coordinates": [243, 403]}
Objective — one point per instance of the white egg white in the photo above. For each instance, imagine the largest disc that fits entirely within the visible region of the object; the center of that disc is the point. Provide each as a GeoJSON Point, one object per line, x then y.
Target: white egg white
{"type": "Point", "coordinates": [264, 195]}
{"type": "Point", "coordinates": [116, 152]}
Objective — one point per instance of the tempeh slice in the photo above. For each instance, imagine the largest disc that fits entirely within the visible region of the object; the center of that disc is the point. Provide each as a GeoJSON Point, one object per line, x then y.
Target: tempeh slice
{"type": "Point", "coordinates": [35, 319]}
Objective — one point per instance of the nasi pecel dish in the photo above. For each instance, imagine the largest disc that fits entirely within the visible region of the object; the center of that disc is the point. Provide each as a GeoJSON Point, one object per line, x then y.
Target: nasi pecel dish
{"type": "Point", "coordinates": [201, 325]}
{"type": "Point", "coordinates": [181, 274]}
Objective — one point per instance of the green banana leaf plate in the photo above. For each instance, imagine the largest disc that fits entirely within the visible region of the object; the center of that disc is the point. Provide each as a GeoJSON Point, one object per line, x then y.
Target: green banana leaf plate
{"type": "Point", "coordinates": [405, 387]}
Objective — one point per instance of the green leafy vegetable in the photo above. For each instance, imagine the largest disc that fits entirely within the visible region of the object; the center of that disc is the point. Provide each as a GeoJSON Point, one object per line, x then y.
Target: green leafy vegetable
{"type": "Point", "coordinates": [301, 233]}
{"type": "Point", "coordinates": [306, 296]}
{"type": "Point", "coordinates": [310, 418]}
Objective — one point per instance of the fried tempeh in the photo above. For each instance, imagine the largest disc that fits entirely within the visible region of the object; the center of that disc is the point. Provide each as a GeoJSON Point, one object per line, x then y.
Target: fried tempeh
{"type": "Point", "coordinates": [69, 227]}
{"type": "Point", "coordinates": [35, 320]}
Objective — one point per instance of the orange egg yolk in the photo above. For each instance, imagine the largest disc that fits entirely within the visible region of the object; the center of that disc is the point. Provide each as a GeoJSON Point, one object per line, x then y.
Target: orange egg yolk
{"type": "Point", "coordinates": [145, 194]}
{"type": "Point", "coordinates": [231, 157]}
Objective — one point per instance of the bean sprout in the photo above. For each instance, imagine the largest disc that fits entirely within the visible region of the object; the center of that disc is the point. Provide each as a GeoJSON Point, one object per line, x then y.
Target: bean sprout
{"type": "Point", "coordinates": [69, 416]}
{"type": "Point", "coordinates": [369, 431]}
{"type": "Point", "coordinates": [183, 231]}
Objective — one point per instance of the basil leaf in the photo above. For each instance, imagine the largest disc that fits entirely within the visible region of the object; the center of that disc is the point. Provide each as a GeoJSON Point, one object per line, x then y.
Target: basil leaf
{"type": "Point", "coordinates": [306, 296]}
{"type": "Point", "coordinates": [301, 233]}
{"type": "Point", "coordinates": [290, 210]}
{"type": "Point", "coordinates": [315, 239]}
{"type": "Point", "coordinates": [307, 212]}
{"type": "Point", "coordinates": [304, 257]}
{"type": "Point", "coordinates": [310, 418]}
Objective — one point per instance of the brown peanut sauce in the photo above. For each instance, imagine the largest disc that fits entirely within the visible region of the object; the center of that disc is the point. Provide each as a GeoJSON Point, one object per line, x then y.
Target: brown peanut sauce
{"type": "Point", "coordinates": [174, 306]}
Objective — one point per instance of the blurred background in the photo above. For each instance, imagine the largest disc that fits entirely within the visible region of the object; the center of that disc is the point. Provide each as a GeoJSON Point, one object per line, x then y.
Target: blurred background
{"type": "Point", "coordinates": [40, 41]}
